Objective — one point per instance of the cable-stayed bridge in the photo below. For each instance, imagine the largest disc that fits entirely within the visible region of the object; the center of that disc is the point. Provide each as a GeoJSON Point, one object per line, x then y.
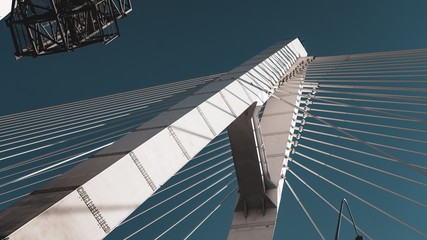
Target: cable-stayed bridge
{"type": "Point", "coordinates": [318, 127]}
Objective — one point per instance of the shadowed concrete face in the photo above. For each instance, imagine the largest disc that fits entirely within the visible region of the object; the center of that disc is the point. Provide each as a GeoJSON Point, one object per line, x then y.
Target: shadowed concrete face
{"type": "Point", "coordinates": [130, 170]}
{"type": "Point", "coordinates": [250, 176]}
{"type": "Point", "coordinates": [259, 152]}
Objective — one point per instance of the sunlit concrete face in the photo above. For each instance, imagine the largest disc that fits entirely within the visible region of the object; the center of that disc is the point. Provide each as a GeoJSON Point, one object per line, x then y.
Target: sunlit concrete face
{"type": "Point", "coordinates": [256, 220]}
{"type": "Point", "coordinates": [5, 7]}
{"type": "Point", "coordinates": [104, 190]}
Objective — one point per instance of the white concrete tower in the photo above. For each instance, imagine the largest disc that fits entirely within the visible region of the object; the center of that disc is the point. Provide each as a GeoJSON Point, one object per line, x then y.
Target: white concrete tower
{"type": "Point", "coordinates": [93, 198]}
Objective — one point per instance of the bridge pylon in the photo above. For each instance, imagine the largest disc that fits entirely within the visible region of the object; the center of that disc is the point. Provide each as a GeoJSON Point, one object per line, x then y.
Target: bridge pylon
{"type": "Point", "coordinates": [93, 198]}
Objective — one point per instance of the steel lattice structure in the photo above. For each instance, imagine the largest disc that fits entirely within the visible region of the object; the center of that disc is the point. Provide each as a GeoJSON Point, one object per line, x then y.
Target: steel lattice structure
{"type": "Point", "coordinates": [41, 27]}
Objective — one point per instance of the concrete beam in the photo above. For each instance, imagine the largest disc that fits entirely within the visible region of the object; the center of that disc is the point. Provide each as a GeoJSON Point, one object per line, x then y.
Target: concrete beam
{"type": "Point", "coordinates": [93, 198]}
{"type": "Point", "coordinates": [5, 7]}
{"type": "Point", "coordinates": [250, 175]}
{"type": "Point", "coordinates": [257, 204]}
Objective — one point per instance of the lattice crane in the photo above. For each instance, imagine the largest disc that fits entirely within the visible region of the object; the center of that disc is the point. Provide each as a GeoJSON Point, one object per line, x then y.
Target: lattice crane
{"type": "Point", "coordinates": [41, 27]}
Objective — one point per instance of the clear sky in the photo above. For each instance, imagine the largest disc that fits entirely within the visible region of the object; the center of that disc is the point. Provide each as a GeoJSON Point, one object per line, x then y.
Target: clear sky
{"type": "Point", "coordinates": [166, 41]}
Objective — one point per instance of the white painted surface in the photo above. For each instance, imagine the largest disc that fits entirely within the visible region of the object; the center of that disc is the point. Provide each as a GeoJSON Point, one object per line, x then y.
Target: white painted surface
{"type": "Point", "coordinates": [277, 128]}
{"type": "Point", "coordinates": [163, 146]}
{"type": "Point", "coordinates": [256, 226]}
{"type": "Point", "coordinates": [67, 215]}
{"type": "Point", "coordinates": [5, 7]}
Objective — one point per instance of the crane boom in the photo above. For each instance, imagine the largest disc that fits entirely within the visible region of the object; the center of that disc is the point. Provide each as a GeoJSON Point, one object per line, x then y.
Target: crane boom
{"type": "Point", "coordinates": [41, 27]}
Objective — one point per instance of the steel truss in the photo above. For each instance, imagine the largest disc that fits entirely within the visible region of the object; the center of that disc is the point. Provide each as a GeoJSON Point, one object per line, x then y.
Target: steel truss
{"type": "Point", "coordinates": [41, 27]}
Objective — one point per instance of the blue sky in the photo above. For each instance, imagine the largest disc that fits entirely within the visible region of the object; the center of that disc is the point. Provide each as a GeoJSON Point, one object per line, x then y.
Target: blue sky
{"type": "Point", "coordinates": [166, 41]}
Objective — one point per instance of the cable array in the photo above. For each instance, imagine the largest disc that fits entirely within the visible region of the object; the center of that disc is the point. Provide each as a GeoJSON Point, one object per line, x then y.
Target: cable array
{"type": "Point", "coordinates": [38, 145]}
{"type": "Point", "coordinates": [360, 134]}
